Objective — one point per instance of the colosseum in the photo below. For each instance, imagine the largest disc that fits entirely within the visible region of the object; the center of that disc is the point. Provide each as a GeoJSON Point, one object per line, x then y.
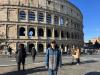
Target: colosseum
{"type": "Point", "coordinates": [37, 22]}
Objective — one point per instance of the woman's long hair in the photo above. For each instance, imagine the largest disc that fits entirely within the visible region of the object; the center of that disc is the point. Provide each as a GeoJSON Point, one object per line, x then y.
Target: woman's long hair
{"type": "Point", "coordinates": [21, 46]}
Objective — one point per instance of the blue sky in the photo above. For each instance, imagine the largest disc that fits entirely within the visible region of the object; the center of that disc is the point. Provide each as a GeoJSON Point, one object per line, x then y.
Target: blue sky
{"type": "Point", "coordinates": [91, 14]}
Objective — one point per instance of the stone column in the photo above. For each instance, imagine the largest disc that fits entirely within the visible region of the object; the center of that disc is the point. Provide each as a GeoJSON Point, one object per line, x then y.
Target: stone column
{"type": "Point", "coordinates": [60, 35]}
{"type": "Point", "coordinates": [8, 14]}
{"type": "Point", "coordinates": [36, 32]}
{"type": "Point", "coordinates": [52, 20]}
{"type": "Point", "coordinates": [45, 32]}
{"type": "Point", "coordinates": [53, 34]}
{"type": "Point", "coordinates": [44, 17]}
{"type": "Point", "coordinates": [6, 31]}
{"type": "Point", "coordinates": [17, 31]}
{"type": "Point", "coordinates": [59, 22]}
{"type": "Point", "coordinates": [26, 34]}
{"type": "Point", "coordinates": [36, 16]}
{"type": "Point", "coordinates": [36, 46]}
{"type": "Point", "coordinates": [27, 20]}
{"type": "Point", "coordinates": [45, 47]}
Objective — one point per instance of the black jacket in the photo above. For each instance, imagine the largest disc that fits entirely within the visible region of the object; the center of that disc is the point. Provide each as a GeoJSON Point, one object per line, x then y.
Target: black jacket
{"type": "Point", "coordinates": [20, 54]}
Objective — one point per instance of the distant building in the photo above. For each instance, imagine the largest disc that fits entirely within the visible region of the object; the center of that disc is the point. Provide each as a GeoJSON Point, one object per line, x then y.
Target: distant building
{"type": "Point", "coordinates": [95, 39]}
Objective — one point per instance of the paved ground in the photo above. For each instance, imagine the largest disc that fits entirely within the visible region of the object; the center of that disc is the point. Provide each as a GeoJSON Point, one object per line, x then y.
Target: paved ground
{"type": "Point", "coordinates": [90, 65]}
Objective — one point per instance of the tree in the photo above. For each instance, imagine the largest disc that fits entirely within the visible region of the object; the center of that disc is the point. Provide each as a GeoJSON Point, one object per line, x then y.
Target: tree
{"type": "Point", "coordinates": [90, 43]}
{"type": "Point", "coordinates": [97, 45]}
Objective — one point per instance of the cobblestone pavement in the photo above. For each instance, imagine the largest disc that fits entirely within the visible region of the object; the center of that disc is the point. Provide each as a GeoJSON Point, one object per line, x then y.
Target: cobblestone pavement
{"type": "Point", "coordinates": [90, 65]}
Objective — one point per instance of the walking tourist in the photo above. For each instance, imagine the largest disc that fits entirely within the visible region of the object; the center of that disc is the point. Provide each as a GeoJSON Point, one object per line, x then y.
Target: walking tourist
{"type": "Point", "coordinates": [33, 53]}
{"type": "Point", "coordinates": [10, 51]}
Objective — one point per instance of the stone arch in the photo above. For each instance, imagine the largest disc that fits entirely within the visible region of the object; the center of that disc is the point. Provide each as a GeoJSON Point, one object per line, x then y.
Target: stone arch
{"type": "Point", "coordinates": [68, 35]}
{"type": "Point", "coordinates": [76, 35]}
{"type": "Point", "coordinates": [30, 46]}
{"type": "Point", "coordinates": [22, 15]}
{"type": "Point", "coordinates": [49, 33]}
{"type": "Point", "coordinates": [48, 18]}
{"type": "Point", "coordinates": [56, 19]}
{"type": "Point", "coordinates": [72, 35]}
{"type": "Point", "coordinates": [40, 32]}
{"type": "Point", "coordinates": [56, 33]}
{"type": "Point", "coordinates": [21, 31]}
{"type": "Point", "coordinates": [31, 32]}
{"type": "Point", "coordinates": [62, 34]}
{"type": "Point", "coordinates": [40, 47]}
{"type": "Point", "coordinates": [31, 15]}
{"type": "Point", "coordinates": [40, 16]}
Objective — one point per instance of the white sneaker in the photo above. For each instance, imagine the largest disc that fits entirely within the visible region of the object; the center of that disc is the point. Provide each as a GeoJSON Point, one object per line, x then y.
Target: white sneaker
{"type": "Point", "coordinates": [77, 64]}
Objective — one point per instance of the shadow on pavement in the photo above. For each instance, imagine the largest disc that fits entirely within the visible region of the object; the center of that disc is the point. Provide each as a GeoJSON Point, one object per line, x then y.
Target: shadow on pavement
{"type": "Point", "coordinates": [27, 71]}
{"type": "Point", "coordinates": [89, 61]}
{"type": "Point", "coordinates": [93, 73]}
{"type": "Point", "coordinates": [83, 62]}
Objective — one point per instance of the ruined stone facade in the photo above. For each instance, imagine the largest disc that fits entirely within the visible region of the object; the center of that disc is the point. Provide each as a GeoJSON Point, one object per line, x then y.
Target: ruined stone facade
{"type": "Point", "coordinates": [37, 22]}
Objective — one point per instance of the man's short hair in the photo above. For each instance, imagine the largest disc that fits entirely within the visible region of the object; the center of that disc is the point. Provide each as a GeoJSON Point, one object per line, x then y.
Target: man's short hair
{"type": "Point", "coordinates": [53, 41]}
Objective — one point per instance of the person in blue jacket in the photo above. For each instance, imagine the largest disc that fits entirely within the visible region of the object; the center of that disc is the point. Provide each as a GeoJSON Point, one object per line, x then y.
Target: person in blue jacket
{"type": "Point", "coordinates": [53, 58]}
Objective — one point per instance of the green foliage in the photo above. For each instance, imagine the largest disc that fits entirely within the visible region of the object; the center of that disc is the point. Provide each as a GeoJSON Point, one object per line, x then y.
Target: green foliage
{"type": "Point", "coordinates": [90, 43]}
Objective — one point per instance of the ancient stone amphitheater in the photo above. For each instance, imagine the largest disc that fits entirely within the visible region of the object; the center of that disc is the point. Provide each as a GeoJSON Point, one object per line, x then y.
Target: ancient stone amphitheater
{"type": "Point", "coordinates": [37, 22]}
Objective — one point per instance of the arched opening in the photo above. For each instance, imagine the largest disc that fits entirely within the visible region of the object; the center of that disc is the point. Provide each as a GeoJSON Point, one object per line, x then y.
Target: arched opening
{"type": "Point", "coordinates": [56, 20]}
{"type": "Point", "coordinates": [40, 16]}
{"type": "Point", "coordinates": [68, 35]}
{"type": "Point", "coordinates": [56, 33]}
{"type": "Point", "coordinates": [40, 32]}
{"type": "Point", "coordinates": [75, 35]}
{"type": "Point", "coordinates": [49, 34]}
{"type": "Point", "coordinates": [61, 21]}
{"type": "Point", "coordinates": [22, 31]}
{"type": "Point", "coordinates": [21, 45]}
{"type": "Point", "coordinates": [48, 18]}
{"type": "Point", "coordinates": [31, 32]}
{"type": "Point", "coordinates": [31, 15]}
{"type": "Point", "coordinates": [72, 35]}
{"type": "Point", "coordinates": [40, 48]}
{"type": "Point", "coordinates": [22, 15]}
{"type": "Point", "coordinates": [62, 34]}
{"type": "Point", "coordinates": [30, 47]}
{"type": "Point", "coordinates": [78, 37]}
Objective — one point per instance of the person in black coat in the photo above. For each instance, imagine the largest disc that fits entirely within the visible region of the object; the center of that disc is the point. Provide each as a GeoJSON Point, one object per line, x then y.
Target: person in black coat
{"type": "Point", "coordinates": [20, 56]}
{"type": "Point", "coordinates": [10, 50]}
